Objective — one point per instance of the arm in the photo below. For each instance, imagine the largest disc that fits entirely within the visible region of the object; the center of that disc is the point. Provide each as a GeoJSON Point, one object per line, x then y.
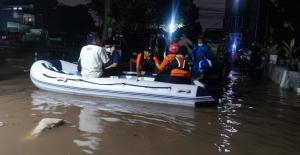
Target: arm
{"type": "Point", "coordinates": [112, 66]}
{"type": "Point", "coordinates": [115, 59]}
{"type": "Point", "coordinates": [190, 43]}
{"type": "Point", "coordinates": [156, 62]}
{"type": "Point", "coordinates": [193, 53]}
{"type": "Point", "coordinates": [209, 52]}
{"type": "Point", "coordinates": [103, 56]}
{"type": "Point", "coordinates": [138, 65]}
{"type": "Point", "coordinates": [164, 64]}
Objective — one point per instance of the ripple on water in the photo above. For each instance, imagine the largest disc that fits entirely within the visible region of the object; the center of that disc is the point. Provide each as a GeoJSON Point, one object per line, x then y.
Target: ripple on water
{"type": "Point", "coordinates": [95, 114]}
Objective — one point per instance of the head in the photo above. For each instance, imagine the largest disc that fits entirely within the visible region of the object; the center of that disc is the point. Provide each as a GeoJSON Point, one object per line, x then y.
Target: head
{"type": "Point", "coordinates": [173, 48]}
{"type": "Point", "coordinates": [108, 45]}
{"type": "Point", "coordinates": [93, 38]}
{"type": "Point", "coordinates": [200, 39]}
{"type": "Point", "coordinates": [147, 51]}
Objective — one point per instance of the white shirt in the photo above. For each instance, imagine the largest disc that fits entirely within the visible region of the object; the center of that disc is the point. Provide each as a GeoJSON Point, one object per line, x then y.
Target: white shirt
{"type": "Point", "coordinates": [92, 59]}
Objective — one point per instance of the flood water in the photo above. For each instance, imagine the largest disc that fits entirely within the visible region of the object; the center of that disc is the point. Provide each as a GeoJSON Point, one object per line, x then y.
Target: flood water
{"type": "Point", "coordinates": [254, 118]}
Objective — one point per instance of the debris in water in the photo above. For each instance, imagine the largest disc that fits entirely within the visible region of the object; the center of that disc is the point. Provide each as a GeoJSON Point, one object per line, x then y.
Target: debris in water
{"type": "Point", "coordinates": [1, 124]}
{"type": "Point", "coordinates": [46, 123]}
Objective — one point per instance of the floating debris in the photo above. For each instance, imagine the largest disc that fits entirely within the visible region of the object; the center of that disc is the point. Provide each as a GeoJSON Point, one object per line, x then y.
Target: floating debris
{"type": "Point", "coordinates": [45, 124]}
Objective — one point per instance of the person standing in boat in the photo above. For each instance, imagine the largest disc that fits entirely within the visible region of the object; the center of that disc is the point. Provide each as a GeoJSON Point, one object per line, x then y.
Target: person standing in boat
{"type": "Point", "coordinates": [92, 58]}
{"type": "Point", "coordinates": [147, 62]}
{"type": "Point", "coordinates": [112, 67]}
{"type": "Point", "coordinates": [175, 68]}
{"type": "Point", "coordinates": [200, 54]}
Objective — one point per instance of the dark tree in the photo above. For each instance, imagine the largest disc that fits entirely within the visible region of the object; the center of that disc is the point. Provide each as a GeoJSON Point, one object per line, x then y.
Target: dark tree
{"type": "Point", "coordinates": [134, 15]}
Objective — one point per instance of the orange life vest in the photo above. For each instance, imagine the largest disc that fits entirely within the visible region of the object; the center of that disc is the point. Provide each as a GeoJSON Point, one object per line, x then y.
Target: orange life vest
{"type": "Point", "coordinates": [179, 67]}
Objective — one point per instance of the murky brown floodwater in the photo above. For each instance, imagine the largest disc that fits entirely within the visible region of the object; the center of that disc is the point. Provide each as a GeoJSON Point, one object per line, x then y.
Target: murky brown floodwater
{"type": "Point", "coordinates": [256, 118]}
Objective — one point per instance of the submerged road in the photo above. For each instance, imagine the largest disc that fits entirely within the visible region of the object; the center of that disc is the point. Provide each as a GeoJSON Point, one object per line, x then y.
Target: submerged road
{"type": "Point", "coordinates": [256, 117]}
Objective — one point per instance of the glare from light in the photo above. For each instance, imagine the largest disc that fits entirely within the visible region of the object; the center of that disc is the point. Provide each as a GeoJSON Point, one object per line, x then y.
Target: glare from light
{"type": "Point", "coordinates": [172, 27]}
{"type": "Point", "coordinates": [234, 47]}
{"type": "Point", "coordinates": [20, 8]}
{"type": "Point", "coordinates": [15, 8]}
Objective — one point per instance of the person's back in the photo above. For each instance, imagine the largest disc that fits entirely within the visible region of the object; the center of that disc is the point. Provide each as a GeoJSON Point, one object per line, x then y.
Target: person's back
{"type": "Point", "coordinates": [92, 59]}
{"type": "Point", "coordinates": [174, 68]}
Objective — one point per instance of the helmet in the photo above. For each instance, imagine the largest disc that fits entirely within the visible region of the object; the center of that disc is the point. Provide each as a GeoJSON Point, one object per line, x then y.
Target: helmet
{"type": "Point", "coordinates": [173, 48]}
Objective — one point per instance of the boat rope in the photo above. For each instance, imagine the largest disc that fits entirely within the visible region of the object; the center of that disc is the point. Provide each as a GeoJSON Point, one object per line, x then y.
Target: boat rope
{"type": "Point", "coordinates": [107, 84]}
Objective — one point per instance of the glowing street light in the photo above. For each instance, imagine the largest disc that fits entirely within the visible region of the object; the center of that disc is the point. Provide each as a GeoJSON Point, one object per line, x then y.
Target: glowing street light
{"type": "Point", "coordinates": [172, 27]}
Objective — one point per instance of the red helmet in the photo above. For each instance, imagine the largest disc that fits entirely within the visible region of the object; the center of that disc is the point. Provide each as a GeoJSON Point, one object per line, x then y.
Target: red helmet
{"type": "Point", "coordinates": [173, 49]}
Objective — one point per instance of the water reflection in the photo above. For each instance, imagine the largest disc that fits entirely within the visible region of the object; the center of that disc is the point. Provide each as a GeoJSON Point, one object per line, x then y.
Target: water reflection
{"type": "Point", "coordinates": [228, 116]}
{"type": "Point", "coordinates": [89, 124]}
{"type": "Point", "coordinates": [96, 113]}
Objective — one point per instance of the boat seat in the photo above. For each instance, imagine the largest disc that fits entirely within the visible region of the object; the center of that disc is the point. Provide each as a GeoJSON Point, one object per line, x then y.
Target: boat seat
{"type": "Point", "coordinates": [52, 68]}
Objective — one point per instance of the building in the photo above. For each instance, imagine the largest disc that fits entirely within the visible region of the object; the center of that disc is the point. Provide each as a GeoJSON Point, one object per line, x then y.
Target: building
{"type": "Point", "coordinates": [17, 18]}
{"type": "Point", "coordinates": [211, 13]}
{"type": "Point", "coordinates": [19, 24]}
{"type": "Point", "coordinates": [240, 19]}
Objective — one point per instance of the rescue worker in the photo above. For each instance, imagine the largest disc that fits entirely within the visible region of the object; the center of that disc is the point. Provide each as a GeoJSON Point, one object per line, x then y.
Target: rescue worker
{"type": "Point", "coordinates": [200, 52]}
{"type": "Point", "coordinates": [175, 68]}
{"type": "Point", "coordinates": [147, 62]}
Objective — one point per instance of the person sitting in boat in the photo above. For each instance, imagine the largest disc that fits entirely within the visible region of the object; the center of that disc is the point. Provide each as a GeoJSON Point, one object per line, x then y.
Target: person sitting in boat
{"type": "Point", "coordinates": [146, 61]}
{"type": "Point", "coordinates": [175, 68]}
{"type": "Point", "coordinates": [92, 58]}
{"type": "Point", "coordinates": [112, 67]}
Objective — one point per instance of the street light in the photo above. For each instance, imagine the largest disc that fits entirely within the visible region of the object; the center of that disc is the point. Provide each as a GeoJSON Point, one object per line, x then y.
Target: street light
{"type": "Point", "coordinates": [172, 25]}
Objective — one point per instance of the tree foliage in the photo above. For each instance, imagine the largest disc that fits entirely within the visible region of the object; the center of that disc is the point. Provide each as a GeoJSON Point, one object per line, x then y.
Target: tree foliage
{"type": "Point", "coordinates": [140, 14]}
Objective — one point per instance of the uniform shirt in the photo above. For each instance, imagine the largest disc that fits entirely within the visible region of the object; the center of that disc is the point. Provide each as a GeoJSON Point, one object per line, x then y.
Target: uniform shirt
{"type": "Point", "coordinates": [92, 59]}
{"type": "Point", "coordinates": [139, 59]}
{"type": "Point", "coordinates": [165, 62]}
{"type": "Point", "coordinates": [114, 58]}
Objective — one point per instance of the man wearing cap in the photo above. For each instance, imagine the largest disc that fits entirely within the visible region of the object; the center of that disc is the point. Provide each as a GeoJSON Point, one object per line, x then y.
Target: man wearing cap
{"type": "Point", "coordinates": [200, 52]}
{"type": "Point", "coordinates": [92, 58]}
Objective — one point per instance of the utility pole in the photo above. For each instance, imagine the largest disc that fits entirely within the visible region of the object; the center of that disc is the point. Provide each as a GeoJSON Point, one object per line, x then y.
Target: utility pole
{"type": "Point", "coordinates": [107, 20]}
{"type": "Point", "coordinates": [257, 21]}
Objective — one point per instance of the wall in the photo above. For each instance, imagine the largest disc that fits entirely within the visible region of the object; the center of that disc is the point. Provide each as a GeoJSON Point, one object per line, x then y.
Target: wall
{"type": "Point", "coordinates": [211, 13]}
{"type": "Point", "coordinates": [286, 79]}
